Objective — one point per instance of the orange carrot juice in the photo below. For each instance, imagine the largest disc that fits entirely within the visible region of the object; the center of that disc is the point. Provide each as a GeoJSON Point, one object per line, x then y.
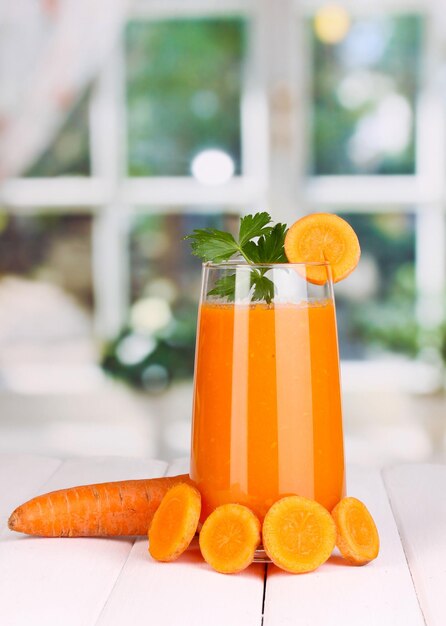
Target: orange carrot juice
{"type": "Point", "coordinates": [267, 408]}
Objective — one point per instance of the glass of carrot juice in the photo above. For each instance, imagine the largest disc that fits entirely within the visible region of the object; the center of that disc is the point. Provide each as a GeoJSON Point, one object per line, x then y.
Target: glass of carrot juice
{"type": "Point", "coordinates": [267, 419]}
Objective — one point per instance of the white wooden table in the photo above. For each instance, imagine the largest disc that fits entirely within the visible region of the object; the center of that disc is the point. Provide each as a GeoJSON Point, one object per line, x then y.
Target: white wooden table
{"type": "Point", "coordinates": [63, 582]}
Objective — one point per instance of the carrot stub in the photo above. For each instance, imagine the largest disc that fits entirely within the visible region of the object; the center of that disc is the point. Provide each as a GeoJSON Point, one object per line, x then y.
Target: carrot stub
{"type": "Point", "coordinates": [357, 535]}
{"type": "Point", "coordinates": [319, 238]}
{"type": "Point", "coordinates": [174, 523]}
{"type": "Point", "coordinates": [229, 538]}
{"type": "Point", "coordinates": [101, 510]}
{"type": "Point", "coordinates": [298, 534]}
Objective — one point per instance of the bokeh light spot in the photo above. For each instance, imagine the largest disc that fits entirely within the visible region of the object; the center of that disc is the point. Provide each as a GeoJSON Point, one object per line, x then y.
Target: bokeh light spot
{"type": "Point", "coordinates": [213, 167]}
{"type": "Point", "coordinates": [331, 23]}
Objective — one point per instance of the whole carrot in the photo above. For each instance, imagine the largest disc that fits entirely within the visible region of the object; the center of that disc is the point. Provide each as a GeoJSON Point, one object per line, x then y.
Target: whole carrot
{"type": "Point", "coordinates": [115, 509]}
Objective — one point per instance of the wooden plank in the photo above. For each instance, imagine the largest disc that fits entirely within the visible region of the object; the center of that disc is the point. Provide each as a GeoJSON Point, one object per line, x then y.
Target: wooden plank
{"type": "Point", "coordinates": [179, 466]}
{"type": "Point", "coordinates": [186, 592]}
{"type": "Point", "coordinates": [418, 498]}
{"type": "Point", "coordinates": [380, 593]}
{"type": "Point", "coordinates": [66, 581]}
{"type": "Point", "coordinates": [82, 471]}
{"type": "Point", "coordinates": [21, 475]}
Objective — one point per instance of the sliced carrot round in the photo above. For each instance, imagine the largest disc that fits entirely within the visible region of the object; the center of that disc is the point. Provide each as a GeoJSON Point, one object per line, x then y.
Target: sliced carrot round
{"type": "Point", "coordinates": [229, 538]}
{"type": "Point", "coordinates": [357, 535]}
{"type": "Point", "coordinates": [298, 534]}
{"type": "Point", "coordinates": [319, 238]}
{"type": "Point", "coordinates": [175, 522]}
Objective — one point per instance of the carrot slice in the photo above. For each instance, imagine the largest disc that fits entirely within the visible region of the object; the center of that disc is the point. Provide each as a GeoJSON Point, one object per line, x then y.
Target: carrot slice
{"type": "Point", "coordinates": [298, 534]}
{"type": "Point", "coordinates": [357, 535]}
{"type": "Point", "coordinates": [229, 538]}
{"type": "Point", "coordinates": [174, 523]}
{"type": "Point", "coordinates": [323, 237]}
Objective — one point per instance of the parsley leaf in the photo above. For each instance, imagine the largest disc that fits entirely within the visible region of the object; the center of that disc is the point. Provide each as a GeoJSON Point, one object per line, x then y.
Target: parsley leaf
{"type": "Point", "coordinates": [258, 242]}
{"type": "Point", "coordinates": [213, 245]}
{"type": "Point", "coordinates": [263, 287]}
{"type": "Point", "coordinates": [224, 287]}
{"type": "Point", "coordinates": [251, 252]}
{"type": "Point", "coordinates": [270, 247]}
{"type": "Point", "coordinates": [253, 226]}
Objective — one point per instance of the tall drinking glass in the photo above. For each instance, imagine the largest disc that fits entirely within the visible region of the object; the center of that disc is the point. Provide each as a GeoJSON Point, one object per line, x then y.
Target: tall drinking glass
{"type": "Point", "coordinates": [267, 418]}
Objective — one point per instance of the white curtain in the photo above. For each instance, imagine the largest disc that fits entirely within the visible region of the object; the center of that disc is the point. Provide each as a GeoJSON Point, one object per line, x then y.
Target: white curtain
{"type": "Point", "coordinates": [50, 50]}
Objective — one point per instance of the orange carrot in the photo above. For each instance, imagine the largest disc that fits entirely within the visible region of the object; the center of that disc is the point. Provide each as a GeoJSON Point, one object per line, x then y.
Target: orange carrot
{"type": "Point", "coordinates": [357, 535]}
{"type": "Point", "coordinates": [105, 509]}
{"type": "Point", "coordinates": [175, 522]}
{"type": "Point", "coordinates": [229, 538]}
{"type": "Point", "coordinates": [320, 237]}
{"type": "Point", "coordinates": [298, 534]}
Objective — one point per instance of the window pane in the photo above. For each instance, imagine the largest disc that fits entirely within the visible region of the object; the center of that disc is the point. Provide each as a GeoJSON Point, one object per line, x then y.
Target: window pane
{"type": "Point", "coordinates": [46, 291]}
{"type": "Point", "coordinates": [376, 304]}
{"type": "Point", "coordinates": [363, 93]}
{"type": "Point", "coordinates": [158, 344]}
{"type": "Point", "coordinates": [69, 152]}
{"type": "Point", "coordinates": [183, 93]}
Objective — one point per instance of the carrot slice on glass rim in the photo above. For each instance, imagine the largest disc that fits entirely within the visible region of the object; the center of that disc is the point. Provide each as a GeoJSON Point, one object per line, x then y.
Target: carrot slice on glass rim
{"type": "Point", "coordinates": [319, 238]}
{"type": "Point", "coordinates": [174, 523]}
{"type": "Point", "coordinates": [357, 535]}
{"type": "Point", "coordinates": [299, 535]}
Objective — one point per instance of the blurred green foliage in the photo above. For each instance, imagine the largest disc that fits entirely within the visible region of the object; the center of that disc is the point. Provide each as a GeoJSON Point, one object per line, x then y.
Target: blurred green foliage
{"type": "Point", "coordinates": [390, 323]}
{"type": "Point", "coordinates": [184, 81]}
{"type": "Point", "coordinates": [171, 358]}
{"type": "Point", "coordinates": [393, 58]}
{"type": "Point", "coordinates": [390, 239]}
{"type": "Point", "coordinates": [163, 266]}
{"type": "Point", "coordinates": [384, 318]}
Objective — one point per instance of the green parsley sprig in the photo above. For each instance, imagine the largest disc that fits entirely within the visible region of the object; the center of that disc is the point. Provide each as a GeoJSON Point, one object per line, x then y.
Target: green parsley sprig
{"type": "Point", "coordinates": [258, 242]}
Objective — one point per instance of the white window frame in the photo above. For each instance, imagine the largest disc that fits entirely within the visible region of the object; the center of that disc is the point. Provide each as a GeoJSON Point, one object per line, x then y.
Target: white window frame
{"type": "Point", "coordinates": [274, 117]}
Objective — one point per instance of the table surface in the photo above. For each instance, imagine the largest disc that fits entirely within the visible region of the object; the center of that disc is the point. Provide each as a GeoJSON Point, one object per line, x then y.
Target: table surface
{"type": "Point", "coordinates": [111, 582]}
